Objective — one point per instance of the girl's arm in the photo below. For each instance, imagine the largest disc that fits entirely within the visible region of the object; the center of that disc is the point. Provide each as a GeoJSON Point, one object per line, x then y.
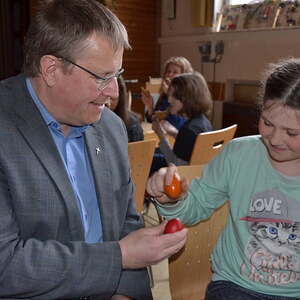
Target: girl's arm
{"type": "Point", "coordinates": [169, 128]}
{"type": "Point", "coordinates": [169, 155]}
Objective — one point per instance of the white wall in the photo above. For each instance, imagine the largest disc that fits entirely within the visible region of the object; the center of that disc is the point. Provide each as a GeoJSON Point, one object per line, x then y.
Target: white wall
{"type": "Point", "coordinates": [246, 53]}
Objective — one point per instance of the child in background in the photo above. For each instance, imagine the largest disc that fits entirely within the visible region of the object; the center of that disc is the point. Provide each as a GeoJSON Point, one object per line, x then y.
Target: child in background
{"type": "Point", "coordinates": [132, 120]}
{"type": "Point", "coordinates": [173, 66]}
{"type": "Point", "coordinates": [188, 97]}
{"type": "Point", "coordinates": [258, 254]}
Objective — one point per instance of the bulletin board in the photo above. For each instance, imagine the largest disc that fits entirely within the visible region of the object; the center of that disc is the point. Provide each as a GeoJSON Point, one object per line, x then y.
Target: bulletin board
{"type": "Point", "coordinates": [267, 14]}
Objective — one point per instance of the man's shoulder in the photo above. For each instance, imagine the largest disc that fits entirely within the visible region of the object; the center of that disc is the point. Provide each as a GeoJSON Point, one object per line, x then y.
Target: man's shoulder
{"type": "Point", "coordinates": [12, 82]}
{"type": "Point", "coordinates": [11, 87]}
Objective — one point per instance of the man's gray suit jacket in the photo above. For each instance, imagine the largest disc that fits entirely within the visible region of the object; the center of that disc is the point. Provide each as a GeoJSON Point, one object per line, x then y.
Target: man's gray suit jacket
{"type": "Point", "coordinates": [42, 250]}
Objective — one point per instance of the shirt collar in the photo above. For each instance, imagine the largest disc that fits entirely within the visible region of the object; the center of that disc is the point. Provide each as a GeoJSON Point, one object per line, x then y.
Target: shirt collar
{"type": "Point", "coordinates": [49, 119]}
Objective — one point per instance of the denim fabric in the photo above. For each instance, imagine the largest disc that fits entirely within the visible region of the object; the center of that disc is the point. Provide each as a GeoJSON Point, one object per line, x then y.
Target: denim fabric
{"type": "Point", "coordinates": [158, 161]}
{"type": "Point", "coordinates": [226, 290]}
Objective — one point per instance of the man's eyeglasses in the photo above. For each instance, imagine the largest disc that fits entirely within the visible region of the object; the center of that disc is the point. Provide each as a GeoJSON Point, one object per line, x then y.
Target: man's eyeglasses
{"type": "Point", "coordinates": [102, 82]}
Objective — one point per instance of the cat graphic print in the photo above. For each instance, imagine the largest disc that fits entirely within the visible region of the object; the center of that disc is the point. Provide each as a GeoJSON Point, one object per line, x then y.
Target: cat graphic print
{"type": "Point", "coordinates": [273, 248]}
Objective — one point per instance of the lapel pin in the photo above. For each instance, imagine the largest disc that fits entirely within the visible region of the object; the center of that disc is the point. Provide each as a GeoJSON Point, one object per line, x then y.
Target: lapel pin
{"type": "Point", "coordinates": [98, 150]}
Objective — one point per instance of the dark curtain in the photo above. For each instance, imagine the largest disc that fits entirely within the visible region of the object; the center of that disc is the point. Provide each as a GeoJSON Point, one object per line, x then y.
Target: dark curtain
{"type": "Point", "coordinates": [14, 20]}
{"type": "Point", "coordinates": [6, 40]}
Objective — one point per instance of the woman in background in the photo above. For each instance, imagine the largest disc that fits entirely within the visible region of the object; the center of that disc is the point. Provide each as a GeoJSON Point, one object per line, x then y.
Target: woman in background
{"type": "Point", "coordinates": [132, 120]}
{"type": "Point", "coordinates": [189, 97]}
{"type": "Point", "coordinates": [173, 66]}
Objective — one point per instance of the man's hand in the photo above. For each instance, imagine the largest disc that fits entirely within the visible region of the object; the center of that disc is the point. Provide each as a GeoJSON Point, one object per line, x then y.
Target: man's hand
{"type": "Point", "coordinates": [149, 246]}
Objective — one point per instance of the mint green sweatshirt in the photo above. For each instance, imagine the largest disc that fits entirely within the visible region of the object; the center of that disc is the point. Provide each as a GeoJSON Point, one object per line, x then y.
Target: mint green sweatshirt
{"type": "Point", "coordinates": [259, 248]}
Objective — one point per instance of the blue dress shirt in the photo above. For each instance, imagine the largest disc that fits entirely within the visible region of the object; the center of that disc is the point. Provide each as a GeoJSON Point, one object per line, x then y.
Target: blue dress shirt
{"type": "Point", "coordinates": [74, 155]}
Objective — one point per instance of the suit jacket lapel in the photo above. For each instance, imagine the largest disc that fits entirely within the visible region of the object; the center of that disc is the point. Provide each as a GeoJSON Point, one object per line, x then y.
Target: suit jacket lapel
{"type": "Point", "coordinates": [33, 128]}
{"type": "Point", "coordinates": [99, 157]}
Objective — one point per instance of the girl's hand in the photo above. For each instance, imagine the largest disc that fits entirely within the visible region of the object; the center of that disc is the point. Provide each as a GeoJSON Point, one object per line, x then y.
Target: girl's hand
{"type": "Point", "coordinates": [165, 85]}
{"type": "Point", "coordinates": [147, 100]}
{"type": "Point", "coordinates": [169, 128]}
{"type": "Point", "coordinates": [156, 184]}
{"type": "Point", "coordinates": [158, 129]}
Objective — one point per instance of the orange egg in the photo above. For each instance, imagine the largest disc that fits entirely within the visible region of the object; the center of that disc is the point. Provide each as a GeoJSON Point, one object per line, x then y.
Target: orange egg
{"type": "Point", "coordinates": [174, 189]}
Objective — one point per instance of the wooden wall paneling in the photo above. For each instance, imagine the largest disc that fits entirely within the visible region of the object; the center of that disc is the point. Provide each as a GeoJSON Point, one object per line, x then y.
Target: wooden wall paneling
{"type": "Point", "coordinates": [33, 6]}
{"type": "Point", "coordinates": [142, 21]}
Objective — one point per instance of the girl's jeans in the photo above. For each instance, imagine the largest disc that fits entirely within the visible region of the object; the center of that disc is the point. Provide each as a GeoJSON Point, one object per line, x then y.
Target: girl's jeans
{"type": "Point", "coordinates": [226, 290]}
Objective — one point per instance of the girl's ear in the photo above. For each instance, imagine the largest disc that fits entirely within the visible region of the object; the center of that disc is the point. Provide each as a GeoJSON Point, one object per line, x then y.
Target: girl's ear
{"type": "Point", "coordinates": [49, 68]}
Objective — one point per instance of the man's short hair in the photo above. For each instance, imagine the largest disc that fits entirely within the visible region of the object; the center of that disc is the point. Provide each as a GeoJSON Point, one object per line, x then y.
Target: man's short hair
{"type": "Point", "coordinates": [62, 27]}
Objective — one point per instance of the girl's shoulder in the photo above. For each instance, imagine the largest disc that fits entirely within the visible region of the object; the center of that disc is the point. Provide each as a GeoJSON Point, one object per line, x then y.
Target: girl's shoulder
{"type": "Point", "coordinates": [249, 144]}
{"type": "Point", "coordinates": [200, 123]}
{"type": "Point", "coordinates": [133, 117]}
{"type": "Point", "coordinates": [246, 140]}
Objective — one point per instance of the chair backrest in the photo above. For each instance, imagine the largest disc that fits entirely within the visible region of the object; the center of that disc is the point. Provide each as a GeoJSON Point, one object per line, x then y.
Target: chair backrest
{"type": "Point", "coordinates": [140, 157]}
{"type": "Point", "coordinates": [209, 144]}
{"type": "Point", "coordinates": [190, 270]}
{"type": "Point", "coordinates": [149, 134]}
{"type": "Point", "coordinates": [153, 87]}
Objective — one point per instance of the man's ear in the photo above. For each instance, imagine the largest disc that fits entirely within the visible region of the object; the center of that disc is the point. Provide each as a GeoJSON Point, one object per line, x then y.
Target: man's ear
{"type": "Point", "coordinates": [49, 67]}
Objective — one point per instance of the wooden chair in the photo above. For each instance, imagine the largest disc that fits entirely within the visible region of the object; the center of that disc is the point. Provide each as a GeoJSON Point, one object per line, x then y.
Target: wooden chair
{"type": "Point", "coordinates": [140, 156]}
{"type": "Point", "coordinates": [149, 133]}
{"type": "Point", "coordinates": [189, 270]}
{"type": "Point", "coordinates": [209, 144]}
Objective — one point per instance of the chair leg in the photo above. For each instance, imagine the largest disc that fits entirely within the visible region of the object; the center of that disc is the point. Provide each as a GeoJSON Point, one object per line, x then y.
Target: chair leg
{"type": "Point", "coordinates": [160, 218]}
{"type": "Point", "coordinates": [155, 220]}
{"type": "Point", "coordinates": [149, 268]}
{"type": "Point", "coordinates": [150, 273]}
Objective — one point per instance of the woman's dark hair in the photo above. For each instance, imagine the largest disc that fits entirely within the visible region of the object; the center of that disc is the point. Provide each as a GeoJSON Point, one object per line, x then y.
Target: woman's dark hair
{"type": "Point", "coordinates": [192, 90]}
{"type": "Point", "coordinates": [62, 27]}
{"type": "Point", "coordinates": [282, 84]}
{"type": "Point", "coordinates": [122, 107]}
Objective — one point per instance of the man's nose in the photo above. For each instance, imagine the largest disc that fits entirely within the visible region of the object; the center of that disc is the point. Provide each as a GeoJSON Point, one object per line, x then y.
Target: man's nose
{"type": "Point", "coordinates": [112, 88]}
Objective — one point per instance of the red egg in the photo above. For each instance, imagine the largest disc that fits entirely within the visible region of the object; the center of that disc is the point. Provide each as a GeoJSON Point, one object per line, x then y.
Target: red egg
{"type": "Point", "coordinates": [173, 225]}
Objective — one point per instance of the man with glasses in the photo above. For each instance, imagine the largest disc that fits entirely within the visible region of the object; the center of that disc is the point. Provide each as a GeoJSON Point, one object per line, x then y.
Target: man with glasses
{"type": "Point", "coordinates": [102, 82]}
{"type": "Point", "coordinates": [69, 229]}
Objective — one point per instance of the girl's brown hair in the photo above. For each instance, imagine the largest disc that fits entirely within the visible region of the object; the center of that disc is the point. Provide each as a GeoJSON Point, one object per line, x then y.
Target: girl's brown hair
{"type": "Point", "coordinates": [192, 90]}
{"type": "Point", "coordinates": [282, 84]}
